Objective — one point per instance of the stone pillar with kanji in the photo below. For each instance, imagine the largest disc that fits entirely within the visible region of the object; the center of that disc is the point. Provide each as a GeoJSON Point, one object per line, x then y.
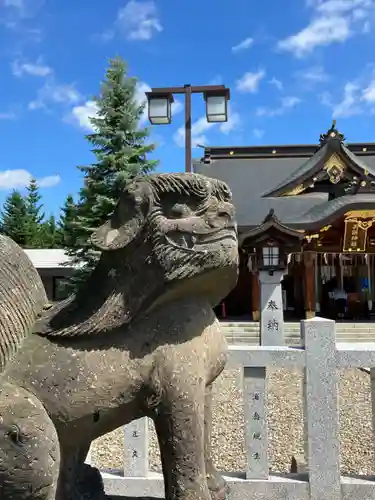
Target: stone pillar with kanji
{"type": "Point", "coordinates": [271, 308]}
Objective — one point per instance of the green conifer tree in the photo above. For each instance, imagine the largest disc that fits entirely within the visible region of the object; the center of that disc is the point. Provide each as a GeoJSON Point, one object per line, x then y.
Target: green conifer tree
{"type": "Point", "coordinates": [35, 216]}
{"type": "Point", "coordinates": [13, 218]}
{"type": "Point", "coordinates": [120, 148]}
{"type": "Point", "coordinates": [50, 235]}
{"type": "Point", "coordinates": [66, 223]}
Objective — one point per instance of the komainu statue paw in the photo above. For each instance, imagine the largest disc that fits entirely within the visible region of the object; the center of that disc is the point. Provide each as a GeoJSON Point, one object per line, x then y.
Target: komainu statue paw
{"type": "Point", "coordinates": [89, 484]}
{"type": "Point", "coordinates": [218, 488]}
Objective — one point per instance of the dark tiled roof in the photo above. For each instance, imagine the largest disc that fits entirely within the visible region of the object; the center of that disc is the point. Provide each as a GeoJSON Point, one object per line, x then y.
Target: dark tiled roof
{"type": "Point", "coordinates": [363, 163]}
{"type": "Point", "coordinates": [281, 150]}
{"type": "Point", "coordinates": [338, 206]}
{"type": "Point", "coordinates": [303, 170]}
{"type": "Point", "coordinates": [250, 178]}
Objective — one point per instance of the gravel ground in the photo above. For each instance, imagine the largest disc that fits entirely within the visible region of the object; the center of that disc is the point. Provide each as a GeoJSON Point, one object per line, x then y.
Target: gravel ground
{"type": "Point", "coordinates": [285, 423]}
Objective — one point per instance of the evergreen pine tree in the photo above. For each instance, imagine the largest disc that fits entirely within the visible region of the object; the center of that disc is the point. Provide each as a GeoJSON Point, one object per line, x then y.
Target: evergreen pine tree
{"type": "Point", "coordinates": [14, 219]}
{"type": "Point", "coordinates": [35, 216]}
{"type": "Point", "coordinates": [120, 148]}
{"type": "Point", "coordinates": [66, 223]}
{"type": "Point", "coordinates": [49, 234]}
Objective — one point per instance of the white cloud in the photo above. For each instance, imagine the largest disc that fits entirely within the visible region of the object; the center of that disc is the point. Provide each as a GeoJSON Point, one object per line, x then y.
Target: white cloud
{"type": "Point", "coordinates": [232, 123]}
{"type": "Point", "coordinates": [18, 4]}
{"type": "Point", "coordinates": [141, 90]}
{"type": "Point", "coordinates": [340, 6]}
{"type": "Point", "coordinates": [250, 82]}
{"type": "Point", "coordinates": [287, 103]}
{"type": "Point", "coordinates": [16, 179]}
{"type": "Point", "coordinates": [55, 93]}
{"type": "Point", "coordinates": [8, 115]}
{"type": "Point", "coordinates": [33, 69]}
{"type": "Point", "coordinates": [348, 106]}
{"type": "Point", "coordinates": [81, 114]}
{"type": "Point", "coordinates": [358, 98]}
{"type": "Point", "coordinates": [258, 133]}
{"type": "Point", "coordinates": [139, 20]}
{"type": "Point", "coordinates": [320, 32]}
{"type": "Point", "coordinates": [333, 21]}
{"type": "Point", "coordinates": [198, 130]}
{"type": "Point", "coordinates": [49, 181]}
{"type": "Point", "coordinates": [216, 80]}
{"type": "Point", "coordinates": [315, 74]}
{"type": "Point", "coordinates": [277, 83]}
{"type": "Point", "coordinates": [140, 97]}
{"type": "Point", "coordinates": [369, 93]}
{"type": "Point", "coordinates": [20, 9]}
{"type": "Point", "coordinates": [243, 45]}
{"type": "Point", "coordinates": [201, 126]}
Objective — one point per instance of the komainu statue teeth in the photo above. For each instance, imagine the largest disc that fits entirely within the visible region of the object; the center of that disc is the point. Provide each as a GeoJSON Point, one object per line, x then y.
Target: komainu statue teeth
{"type": "Point", "coordinates": [140, 339]}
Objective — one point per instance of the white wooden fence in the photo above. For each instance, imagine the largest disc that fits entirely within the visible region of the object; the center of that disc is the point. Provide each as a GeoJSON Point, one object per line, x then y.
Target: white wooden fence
{"type": "Point", "coordinates": [320, 358]}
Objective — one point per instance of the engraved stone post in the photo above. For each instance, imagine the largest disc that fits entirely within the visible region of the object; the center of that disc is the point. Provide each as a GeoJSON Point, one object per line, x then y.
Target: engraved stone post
{"type": "Point", "coordinates": [256, 435]}
{"type": "Point", "coordinates": [322, 409]}
{"type": "Point", "coordinates": [136, 448]}
{"type": "Point", "coordinates": [271, 307]}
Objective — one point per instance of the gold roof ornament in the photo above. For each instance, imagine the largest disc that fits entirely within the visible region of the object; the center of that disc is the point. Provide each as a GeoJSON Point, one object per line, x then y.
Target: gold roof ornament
{"type": "Point", "coordinates": [335, 168]}
{"type": "Point", "coordinates": [331, 134]}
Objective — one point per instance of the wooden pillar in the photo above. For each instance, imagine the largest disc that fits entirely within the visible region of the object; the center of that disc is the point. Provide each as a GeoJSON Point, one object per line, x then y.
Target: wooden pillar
{"type": "Point", "coordinates": [309, 260]}
{"type": "Point", "coordinates": [255, 296]}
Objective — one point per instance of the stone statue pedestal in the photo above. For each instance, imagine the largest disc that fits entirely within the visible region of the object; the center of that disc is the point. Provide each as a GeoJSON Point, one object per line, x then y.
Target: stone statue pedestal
{"type": "Point", "coordinates": [271, 308]}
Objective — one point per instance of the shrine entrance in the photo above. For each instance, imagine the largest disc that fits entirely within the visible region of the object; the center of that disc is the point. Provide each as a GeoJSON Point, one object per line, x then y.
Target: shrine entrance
{"type": "Point", "coordinates": [343, 255]}
{"type": "Point", "coordinates": [338, 258]}
{"type": "Point", "coordinates": [353, 274]}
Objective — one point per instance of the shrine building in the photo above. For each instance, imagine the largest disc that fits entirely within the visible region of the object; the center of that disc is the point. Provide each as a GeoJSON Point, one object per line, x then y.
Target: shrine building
{"type": "Point", "coordinates": [325, 191]}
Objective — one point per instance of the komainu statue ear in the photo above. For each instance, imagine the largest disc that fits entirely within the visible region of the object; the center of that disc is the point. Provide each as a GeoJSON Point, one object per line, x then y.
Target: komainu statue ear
{"type": "Point", "coordinates": [127, 220]}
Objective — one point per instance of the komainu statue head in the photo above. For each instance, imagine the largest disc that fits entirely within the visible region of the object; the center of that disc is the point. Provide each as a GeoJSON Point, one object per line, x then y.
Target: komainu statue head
{"type": "Point", "coordinates": [183, 226]}
{"type": "Point", "coordinates": [171, 236]}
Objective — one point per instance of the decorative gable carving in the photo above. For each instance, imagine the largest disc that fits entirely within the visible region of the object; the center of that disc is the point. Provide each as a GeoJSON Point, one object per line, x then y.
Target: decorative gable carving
{"type": "Point", "coordinates": [335, 168]}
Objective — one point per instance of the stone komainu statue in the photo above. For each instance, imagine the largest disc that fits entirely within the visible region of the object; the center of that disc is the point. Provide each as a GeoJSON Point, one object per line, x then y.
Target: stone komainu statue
{"type": "Point", "coordinates": [139, 340]}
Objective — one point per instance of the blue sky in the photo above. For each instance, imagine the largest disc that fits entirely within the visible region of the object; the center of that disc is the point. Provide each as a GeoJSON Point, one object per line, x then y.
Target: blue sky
{"type": "Point", "coordinates": [291, 65]}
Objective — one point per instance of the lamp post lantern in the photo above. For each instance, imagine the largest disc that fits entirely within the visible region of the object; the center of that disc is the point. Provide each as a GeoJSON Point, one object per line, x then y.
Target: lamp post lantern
{"type": "Point", "coordinates": [160, 108]}
{"type": "Point", "coordinates": [217, 105]}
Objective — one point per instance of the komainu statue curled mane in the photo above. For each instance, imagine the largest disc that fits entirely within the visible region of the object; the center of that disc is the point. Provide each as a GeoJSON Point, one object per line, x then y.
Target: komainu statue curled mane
{"type": "Point", "coordinates": [140, 340]}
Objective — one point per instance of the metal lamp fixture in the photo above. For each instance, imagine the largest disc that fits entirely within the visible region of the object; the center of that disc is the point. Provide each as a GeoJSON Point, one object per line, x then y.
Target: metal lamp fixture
{"type": "Point", "coordinates": [217, 105]}
{"type": "Point", "coordinates": [159, 108]}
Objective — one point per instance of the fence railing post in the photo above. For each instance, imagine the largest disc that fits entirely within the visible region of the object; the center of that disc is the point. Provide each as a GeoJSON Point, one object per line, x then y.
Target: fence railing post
{"type": "Point", "coordinates": [136, 448]}
{"type": "Point", "coordinates": [322, 408]}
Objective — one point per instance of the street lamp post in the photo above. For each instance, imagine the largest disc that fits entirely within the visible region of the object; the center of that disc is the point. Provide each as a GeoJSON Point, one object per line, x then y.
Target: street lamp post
{"type": "Point", "coordinates": [160, 108]}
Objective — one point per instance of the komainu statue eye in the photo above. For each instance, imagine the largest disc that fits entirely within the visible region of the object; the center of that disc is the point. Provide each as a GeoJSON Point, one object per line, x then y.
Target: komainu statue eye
{"type": "Point", "coordinates": [14, 434]}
